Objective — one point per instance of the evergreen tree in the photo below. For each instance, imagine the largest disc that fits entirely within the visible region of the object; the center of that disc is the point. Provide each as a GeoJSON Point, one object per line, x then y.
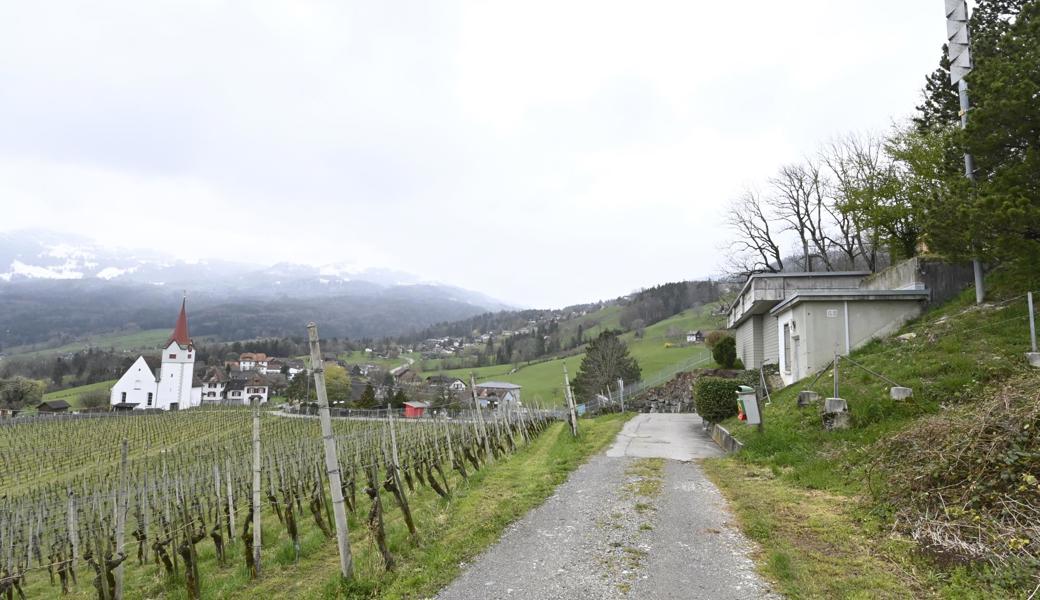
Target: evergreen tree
{"type": "Point", "coordinates": [368, 397]}
{"type": "Point", "coordinates": [606, 360]}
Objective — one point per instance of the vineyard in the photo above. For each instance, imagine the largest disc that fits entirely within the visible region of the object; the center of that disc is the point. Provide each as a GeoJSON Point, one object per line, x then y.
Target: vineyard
{"type": "Point", "coordinates": [127, 505]}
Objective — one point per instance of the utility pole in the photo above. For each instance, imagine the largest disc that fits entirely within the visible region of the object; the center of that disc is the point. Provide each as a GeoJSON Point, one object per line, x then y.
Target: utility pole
{"type": "Point", "coordinates": [621, 392]}
{"type": "Point", "coordinates": [346, 563]}
{"type": "Point", "coordinates": [959, 53]}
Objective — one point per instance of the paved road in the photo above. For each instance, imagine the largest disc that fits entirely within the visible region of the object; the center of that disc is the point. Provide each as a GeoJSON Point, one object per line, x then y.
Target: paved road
{"type": "Point", "coordinates": [598, 538]}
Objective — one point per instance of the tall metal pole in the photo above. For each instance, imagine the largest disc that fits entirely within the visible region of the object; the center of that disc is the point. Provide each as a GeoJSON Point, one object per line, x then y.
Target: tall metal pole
{"type": "Point", "coordinates": [621, 392]}
{"type": "Point", "coordinates": [959, 53]}
{"type": "Point", "coordinates": [346, 564]}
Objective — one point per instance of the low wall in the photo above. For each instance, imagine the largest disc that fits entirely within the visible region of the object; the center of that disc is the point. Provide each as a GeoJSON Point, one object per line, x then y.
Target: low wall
{"type": "Point", "coordinates": [723, 438]}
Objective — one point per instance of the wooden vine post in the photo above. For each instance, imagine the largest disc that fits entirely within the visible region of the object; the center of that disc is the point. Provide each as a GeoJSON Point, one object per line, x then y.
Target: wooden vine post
{"type": "Point", "coordinates": [346, 564]}
{"type": "Point", "coordinates": [121, 509]}
{"type": "Point", "coordinates": [257, 538]}
{"type": "Point", "coordinates": [570, 401]}
{"type": "Point", "coordinates": [480, 419]}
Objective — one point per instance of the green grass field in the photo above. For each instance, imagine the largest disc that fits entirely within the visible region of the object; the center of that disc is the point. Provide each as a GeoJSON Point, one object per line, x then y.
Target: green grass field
{"type": "Point", "coordinates": [656, 352]}
{"type": "Point", "coordinates": [71, 395]}
{"type": "Point", "coordinates": [359, 357]}
{"type": "Point", "coordinates": [138, 340]}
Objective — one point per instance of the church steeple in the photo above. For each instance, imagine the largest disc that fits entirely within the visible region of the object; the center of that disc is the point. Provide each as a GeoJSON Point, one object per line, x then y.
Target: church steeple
{"type": "Point", "coordinates": [180, 330]}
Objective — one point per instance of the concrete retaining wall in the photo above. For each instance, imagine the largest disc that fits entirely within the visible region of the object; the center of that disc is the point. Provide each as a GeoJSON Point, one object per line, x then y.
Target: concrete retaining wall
{"type": "Point", "coordinates": [942, 279]}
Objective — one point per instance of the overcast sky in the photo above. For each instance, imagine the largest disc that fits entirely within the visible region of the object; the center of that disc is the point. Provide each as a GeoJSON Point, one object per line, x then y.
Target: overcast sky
{"type": "Point", "coordinates": [542, 152]}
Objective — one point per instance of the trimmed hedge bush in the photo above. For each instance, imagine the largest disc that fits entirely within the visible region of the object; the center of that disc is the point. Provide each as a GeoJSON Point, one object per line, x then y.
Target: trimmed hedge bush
{"type": "Point", "coordinates": [715, 398]}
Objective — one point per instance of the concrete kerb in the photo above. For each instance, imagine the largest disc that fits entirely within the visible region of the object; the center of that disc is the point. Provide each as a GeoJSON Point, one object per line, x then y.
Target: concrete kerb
{"type": "Point", "coordinates": [723, 438]}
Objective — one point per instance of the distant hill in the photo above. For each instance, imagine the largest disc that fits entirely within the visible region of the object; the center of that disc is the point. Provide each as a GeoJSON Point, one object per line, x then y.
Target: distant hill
{"type": "Point", "coordinates": [55, 289]}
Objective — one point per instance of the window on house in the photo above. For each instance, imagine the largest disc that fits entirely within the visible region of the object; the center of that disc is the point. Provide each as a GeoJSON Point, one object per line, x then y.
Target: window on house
{"type": "Point", "coordinates": [149, 398]}
{"type": "Point", "coordinates": [122, 397]}
{"type": "Point", "coordinates": [173, 356]}
{"type": "Point", "coordinates": [787, 347]}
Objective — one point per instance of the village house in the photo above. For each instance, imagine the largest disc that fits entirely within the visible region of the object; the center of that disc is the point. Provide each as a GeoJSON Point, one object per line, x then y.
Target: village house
{"type": "Point", "coordinates": [254, 389]}
{"type": "Point", "coordinates": [694, 337]}
{"type": "Point", "coordinates": [214, 383]}
{"type": "Point", "coordinates": [253, 361]}
{"type": "Point", "coordinates": [498, 394]}
{"type": "Point", "coordinates": [443, 381]}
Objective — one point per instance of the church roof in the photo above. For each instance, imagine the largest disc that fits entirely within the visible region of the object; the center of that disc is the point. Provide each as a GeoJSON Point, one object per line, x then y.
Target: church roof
{"type": "Point", "coordinates": [180, 330]}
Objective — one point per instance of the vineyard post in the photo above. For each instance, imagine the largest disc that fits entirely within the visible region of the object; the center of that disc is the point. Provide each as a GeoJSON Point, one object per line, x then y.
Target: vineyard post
{"type": "Point", "coordinates": [393, 436]}
{"type": "Point", "coordinates": [570, 401]}
{"type": "Point", "coordinates": [331, 460]}
{"type": "Point", "coordinates": [256, 487]}
{"type": "Point", "coordinates": [480, 419]}
{"type": "Point", "coordinates": [73, 529]}
{"type": "Point", "coordinates": [121, 508]}
{"type": "Point", "coordinates": [230, 502]}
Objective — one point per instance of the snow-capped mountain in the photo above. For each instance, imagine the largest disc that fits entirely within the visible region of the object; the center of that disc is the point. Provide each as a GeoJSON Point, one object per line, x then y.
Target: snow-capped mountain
{"type": "Point", "coordinates": [54, 283]}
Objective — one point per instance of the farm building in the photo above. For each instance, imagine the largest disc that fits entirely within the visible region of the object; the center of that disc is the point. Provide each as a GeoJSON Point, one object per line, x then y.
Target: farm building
{"type": "Point", "coordinates": [53, 406]}
{"type": "Point", "coordinates": [694, 337]}
{"type": "Point", "coordinates": [496, 394]}
{"type": "Point", "coordinates": [413, 409]}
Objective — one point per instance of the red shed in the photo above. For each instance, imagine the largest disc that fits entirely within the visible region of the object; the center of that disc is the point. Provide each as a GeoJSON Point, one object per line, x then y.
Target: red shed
{"type": "Point", "coordinates": [413, 409]}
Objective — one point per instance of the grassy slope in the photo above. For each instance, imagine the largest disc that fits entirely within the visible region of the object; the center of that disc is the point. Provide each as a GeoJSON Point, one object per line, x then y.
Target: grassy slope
{"type": "Point", "coordinates": [450, 533]}
{"type": "Point", "coordinates": [71, 395]}
{"type": "Point", "coordinates": [796, 487]}
{"type": "Point", "coordinates": [543, 382]}
{"type": "Point", "coordinates": [138, 340]}
{"type": "Point", "coordinates": [359, 357]}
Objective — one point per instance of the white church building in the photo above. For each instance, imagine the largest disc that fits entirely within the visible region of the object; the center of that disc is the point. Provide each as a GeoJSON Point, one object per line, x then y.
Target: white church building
{"type": "Point", "coordinates": [140, 389]}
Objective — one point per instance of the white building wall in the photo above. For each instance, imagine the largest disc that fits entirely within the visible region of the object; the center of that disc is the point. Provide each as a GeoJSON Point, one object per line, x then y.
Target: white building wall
{"type": "Point", "coordinates": [745, 342]}
{"type": "Point", "coordinates": [175, 377]}
{"type": "Point", "coordinates": [138, 385]}
{"type": "Point", "coordinates": [770, 344]}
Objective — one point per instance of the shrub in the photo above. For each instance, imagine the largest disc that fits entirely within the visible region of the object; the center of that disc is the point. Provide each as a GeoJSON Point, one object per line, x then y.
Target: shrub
{"type": "Point", "coordinates": [725, 352]}
{"type": "Point", "coordinates": [738, 364]}
{"type": "Point", "coordinates": [715, 337]}
{"type": "Point", "coordinates": [93, 399]}
{"type": "Point", "coordinates": [715, 398]}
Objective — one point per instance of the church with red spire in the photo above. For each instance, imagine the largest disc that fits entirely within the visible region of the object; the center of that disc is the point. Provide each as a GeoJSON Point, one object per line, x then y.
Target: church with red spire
{"type": "Point", "coordinates": [174, 387]}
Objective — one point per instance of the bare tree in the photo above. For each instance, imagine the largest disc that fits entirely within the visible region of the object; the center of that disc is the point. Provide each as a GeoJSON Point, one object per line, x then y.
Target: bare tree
{"type": "Point", "coordinates": [799, 203]}
{"type": "Point", "coordinates": [756, 248]}
{"type": "Point", "coordinates": [857, 166]}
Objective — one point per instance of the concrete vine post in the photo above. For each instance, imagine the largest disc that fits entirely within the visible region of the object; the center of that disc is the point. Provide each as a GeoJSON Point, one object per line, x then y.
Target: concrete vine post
{"type": "Point", "coordinates": [257, 538]}
{"type": "Point", "coordinates": [346, 563]}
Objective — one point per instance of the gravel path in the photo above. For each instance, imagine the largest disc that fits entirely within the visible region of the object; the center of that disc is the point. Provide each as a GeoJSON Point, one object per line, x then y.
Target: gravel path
{"type": "Point", "coordinates": [639, 521]}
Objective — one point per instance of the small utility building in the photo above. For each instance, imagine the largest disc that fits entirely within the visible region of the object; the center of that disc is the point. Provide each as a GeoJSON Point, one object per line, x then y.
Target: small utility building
{"type": "Point", "coordinates": [814, 325]}
{"type": "Point", "coordinates": [413, 409]}
{"type": "Point", "coordinates": [53, 406]}
{"type": "Point", "coordinates": [798, 321]}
